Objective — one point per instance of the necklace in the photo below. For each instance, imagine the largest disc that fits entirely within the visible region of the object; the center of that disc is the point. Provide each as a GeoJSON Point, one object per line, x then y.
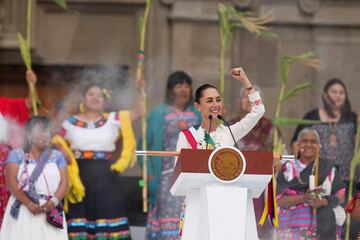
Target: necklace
{"type": "Point", "coordinates": [202, 138]}
{"type": "Point", "coordinates": [332, 136]}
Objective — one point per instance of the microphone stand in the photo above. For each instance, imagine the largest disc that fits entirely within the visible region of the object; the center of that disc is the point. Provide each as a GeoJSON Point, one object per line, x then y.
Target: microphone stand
{"type": "Point", "coordinates": [227, 124]}
{"type": "Point", "coordinates": [207, 140]}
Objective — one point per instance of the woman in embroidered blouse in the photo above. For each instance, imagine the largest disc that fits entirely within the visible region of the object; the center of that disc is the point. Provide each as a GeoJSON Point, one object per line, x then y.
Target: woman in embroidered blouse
{"type": "Point", "coordinates": [92, 135]}
{"type": "Point", "coordinates": [208, 101]}
{"type": "Point", "coordinates": [37, 179]}
{"type": "Point", "coordinates": [296, 202]}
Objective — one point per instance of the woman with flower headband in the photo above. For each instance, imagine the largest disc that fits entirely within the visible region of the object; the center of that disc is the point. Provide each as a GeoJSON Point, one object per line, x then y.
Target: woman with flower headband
{"type": "Point", "coordinates": [95, 199]}
{"type": "Point", "coordinates": [36, 176]}
{"type": "Point", "coordinates": [296, 201]}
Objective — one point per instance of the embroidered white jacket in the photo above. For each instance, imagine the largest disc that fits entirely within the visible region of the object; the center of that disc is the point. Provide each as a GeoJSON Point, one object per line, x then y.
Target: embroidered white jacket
{"type": "Point", "coordinates": [222, 136]}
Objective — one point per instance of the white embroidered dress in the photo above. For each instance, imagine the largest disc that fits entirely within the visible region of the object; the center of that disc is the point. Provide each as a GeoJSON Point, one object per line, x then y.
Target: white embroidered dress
{"type": "Point", "coordinates": [29, 226]}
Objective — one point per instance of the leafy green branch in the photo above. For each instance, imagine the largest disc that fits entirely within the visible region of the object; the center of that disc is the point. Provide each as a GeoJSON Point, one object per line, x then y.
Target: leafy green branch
{"type": "Point", "coordinates": [25, 51]}
{"type": "Point", "coordinates": [231, 19]}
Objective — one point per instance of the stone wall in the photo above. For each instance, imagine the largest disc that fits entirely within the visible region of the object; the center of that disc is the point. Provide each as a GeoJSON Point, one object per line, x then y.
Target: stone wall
{"type": "Point", "coordinates": [184, 34]}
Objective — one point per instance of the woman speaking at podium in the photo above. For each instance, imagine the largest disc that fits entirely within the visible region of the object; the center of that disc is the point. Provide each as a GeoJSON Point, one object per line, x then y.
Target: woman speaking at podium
{"type": "Point", "coordinates": [210, 134]}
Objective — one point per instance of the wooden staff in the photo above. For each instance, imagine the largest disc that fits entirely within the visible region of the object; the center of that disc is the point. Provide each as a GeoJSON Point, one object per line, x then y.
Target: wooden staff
{"type": "Point", "coordinates": [158, 153]}
{"type": "Point", "coordinates": [316, 173]}
{"type": "Point", "coordinates": [140, 75]}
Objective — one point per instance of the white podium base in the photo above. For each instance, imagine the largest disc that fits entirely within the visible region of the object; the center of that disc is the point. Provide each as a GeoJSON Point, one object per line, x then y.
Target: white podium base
{"type": "Point", "coordinates": [219, 211]}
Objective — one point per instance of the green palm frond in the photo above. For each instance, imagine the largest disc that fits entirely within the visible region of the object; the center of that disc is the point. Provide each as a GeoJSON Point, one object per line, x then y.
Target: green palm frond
{"type": "Point", "coordinates": [225, 27]}
{"type": "Point", "coordinates": [229, 20]}
{"type": "Point", "coordinates": [295, 91]}
{"type": "Point", "coordinates": [255, 25]}
{"type": "Point", "coordinates": [24, 51]}
{"type": "Point", "coordinates": [61, 3]}
{"type": "Point", "coordinates": [279, 121]}
{"type": "Point", "coordinates": [307, 58]}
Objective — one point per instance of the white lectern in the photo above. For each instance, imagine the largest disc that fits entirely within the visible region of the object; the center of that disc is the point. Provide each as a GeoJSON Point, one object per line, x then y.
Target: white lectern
{"type": "Point", "coordinates": [217, 210]}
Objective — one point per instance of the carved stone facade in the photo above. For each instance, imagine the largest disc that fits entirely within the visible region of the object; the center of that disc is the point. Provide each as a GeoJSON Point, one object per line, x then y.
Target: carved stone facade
{"type": "Point", "coordinates": [184, 34]}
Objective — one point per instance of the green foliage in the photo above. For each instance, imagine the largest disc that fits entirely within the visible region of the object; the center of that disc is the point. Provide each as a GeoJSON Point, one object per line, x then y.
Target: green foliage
{"type": "Point", "coordinates": [230, 19]}
{"type": "Point", "coordinates": [279, 121]}
{"type": "Point", "coordinates": [286, 62]}
{"type": "Point", "coordinates": [61, 3]}
{"type": "Point", "coordinates": [295, 91]}
{"type": "Point", "coordinates": [25, 51]}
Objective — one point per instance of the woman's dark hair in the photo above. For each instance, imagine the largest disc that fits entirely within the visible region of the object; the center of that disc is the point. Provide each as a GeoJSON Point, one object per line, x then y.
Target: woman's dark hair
{"type": "Point", "coordinates": [108, 104]}
{"type": "Point", "coordinates": [327, 102]}
{"type": "Point", "coordinates": [200, 90]}
{"type": "Point", "coordinates": [91, 85]}
{"type": "Point", "coordinates": [178, 77]}
{"type": "Point", "coordinates": [41, 121]}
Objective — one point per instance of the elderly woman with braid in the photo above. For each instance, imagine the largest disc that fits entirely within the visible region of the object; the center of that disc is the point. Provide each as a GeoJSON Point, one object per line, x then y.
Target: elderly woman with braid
{"type": "Point", "coordinates": [297, 220]}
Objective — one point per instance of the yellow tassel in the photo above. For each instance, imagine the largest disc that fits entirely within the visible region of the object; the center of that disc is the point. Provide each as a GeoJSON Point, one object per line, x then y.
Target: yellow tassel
{"type": "Point", "coordinates": [266, 208]}
{"type": "Point", "coordinates": [127, 157]}
{"type": "Point", "coordinates": [265, 212]}
{"type": "Point", "coordinates": [76, 191]}
{"type": "Point", "coordinates": [276, 218]}
{"type": "Point", "coordinates": [66, 205]}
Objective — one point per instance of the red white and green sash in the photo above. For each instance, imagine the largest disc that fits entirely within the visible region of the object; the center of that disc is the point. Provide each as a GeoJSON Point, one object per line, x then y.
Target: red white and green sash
{"type": "Point", "coordinates": [190, 135]}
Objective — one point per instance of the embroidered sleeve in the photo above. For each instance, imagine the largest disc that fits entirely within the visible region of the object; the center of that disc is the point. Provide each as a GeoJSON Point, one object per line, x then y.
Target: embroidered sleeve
{"type": "Point", "coordinates": [240, 129]}
{"type": "Point", "coordinates": [114, 118]}
{"type": "Point", "coordinates": [60, 159]}
{"type": "Point", "coordinates": [255, 99]}
{"type": "Point", "coordinates": [15, 156]}
{"type": "Point", "coordinates": [66, 128]}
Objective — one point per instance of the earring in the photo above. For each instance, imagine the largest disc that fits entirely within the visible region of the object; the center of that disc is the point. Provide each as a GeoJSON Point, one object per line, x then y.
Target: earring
{"type": "Point", "coordinates": [81, 107]}
{"type": "Point", "coordinates": [106, 93]}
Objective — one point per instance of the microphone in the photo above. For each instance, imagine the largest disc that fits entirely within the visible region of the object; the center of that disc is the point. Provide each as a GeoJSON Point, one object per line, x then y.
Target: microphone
{"type": "Point", "coordinates": [207, 140]}
{"type": "Point", "coordinates": [227, 124]}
